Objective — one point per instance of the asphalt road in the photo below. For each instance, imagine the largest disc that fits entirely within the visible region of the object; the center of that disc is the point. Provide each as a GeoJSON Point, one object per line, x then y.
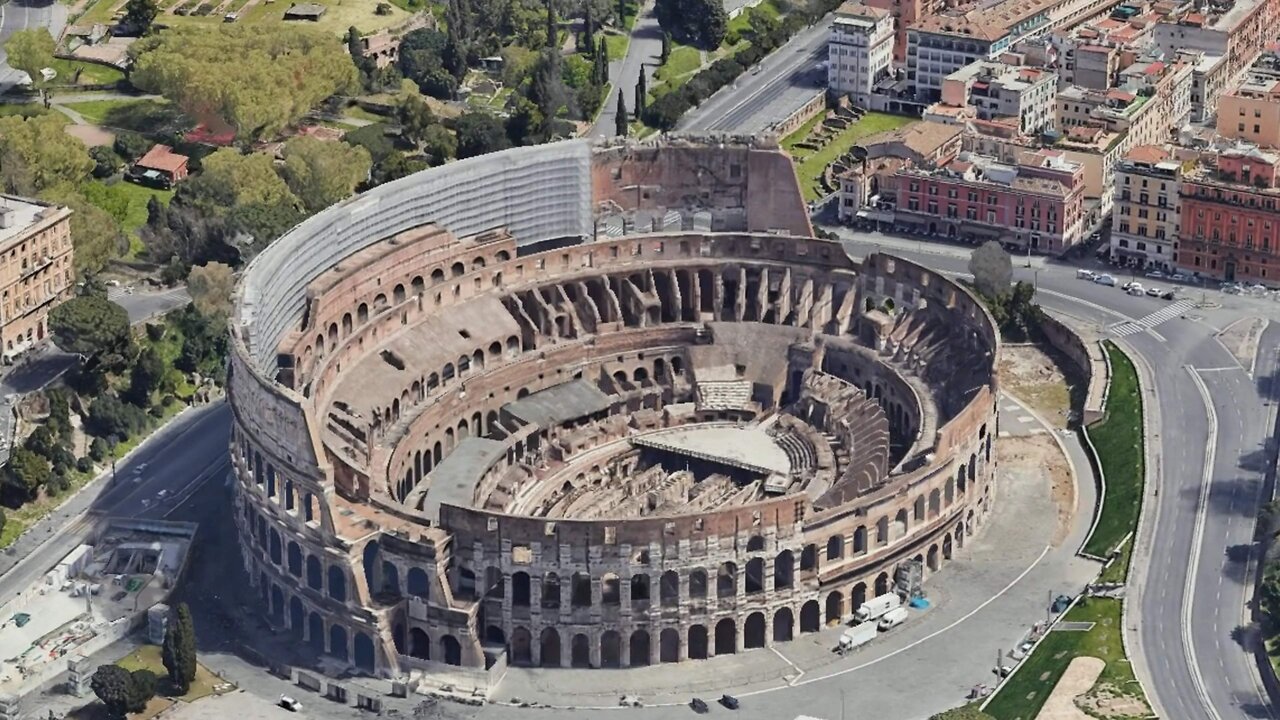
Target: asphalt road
{"type": "Point", "coordinates": [142, 305]}
{"type": "Point", "coordinates": [642, 56]}
{"type": "Point", "coordinates": [21, 15]}
{"type": "Point", "coordinates": [769, 92]}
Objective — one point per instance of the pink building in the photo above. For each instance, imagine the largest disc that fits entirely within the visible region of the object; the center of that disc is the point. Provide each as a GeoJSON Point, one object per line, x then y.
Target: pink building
{"type": "Point", "coordinates": [1229, 226]}
{"type": "Point", "coordinates": [1036, 204]}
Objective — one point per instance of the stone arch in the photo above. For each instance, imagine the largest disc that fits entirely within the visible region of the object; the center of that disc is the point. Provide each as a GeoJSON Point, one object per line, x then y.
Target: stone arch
{"type": "Point", "coordinates": [549, 645]}
{"type": "Point", "coordinates": [753, 631]}
{"type": "Point", "coordinates": [337, 583]}
{"type": "Point", "coordinates": [419, 644]}
{"type": "Point", "coordinates": [697, 642]}
{"type": "Point", "coordinates": [727, 580]}
{"type": "Point", "coordinates": [639, 590]}
{"type": "Point", "coordinates": [610, 590]}
{"type": "Point", "coordinates": [882, 584]}
{"type": "Point", "coordinates": [754, 575]}
{"type": "Point", "coordinates": [494, 634]}
{"type": "Point", "coordinates": [860, 540]}
{"type": "Point", "coordinates": [297, 617]}
{"type": "Point", "coordinates": [346, 324]}
{"type": "Point", "coordinates": [580, 651]}
{"type": "Point", "coordinates": [698, 583]}
{"type": "Point", "coordinates": [900, 524]}
{"type": "Point", "coordinates": [521, 646]}
{"type": "Point", "coordinates": [370, 565]}
{"type": "Point", "coordinates": [946, 546]}
{"type": "Point", "coordinates": [362, 313]}
{"type": "Point", "coordinates": [417, 284]}
{"type": "Point", "coordinates": [338, 642]}
{"type": "Point", "coordinates": [669, 588]}
{"type": "Point", "coordinates": [502, 256]}
{"type": "Point", "coordinates": [452, 650]}
{"type": "Point", "coordinates": [379, 301]}
{"type": "Point", "coordinates": [835, 607]}
{"type": "Point", "coordinates": [726, 637]}
{"type": "Point", "coordinates": [809, 558]}
{"type": "Point", "coordinates": [390, 578]}
{"type": "Point", "coordinates": [437, 276]}
{"type": "Point", "coordinates": [551, 591]}
{"type": "Point", "coordinates": [315, 574]}
{"type": "Point", "coordinates": [882, 531]}
{"type": "Point", "coordinates": [398, 294]}
{"type": "Point", "coordinates": [949, 492]}
{"type": "Point", "coordinates": [417, 584]}
{"type": "Point", "coordinates": [961, 483]}
{"type": "Point", "coordinates": [783, 623]}
{"type": "Point", "coordinates": [669, 646]}
{"type": "Point", "coordinates": [973, 466]}
{"type": "Point", "coordinates": [362, 649]}
{"type": "Point", "coordinates": [810, 617]}
{"type": "Point", "coordinates": [918, 509]}
{"type": "Point", "coordinates": [457, 269]}
{"type": "Point", "coordinates": [755, 544]}
{"type": "Point", "coordinates": [857, 596]}
{"type": "Point", "coordinates": [931, 560]}
{"type": "Point", "coordinates": [835, 547]}
{"type": "Point", "coordinates": [520, 589]}
{"type": "Point", "coordinates": [294, 558]}
{"type": "Point", "coordinates": [639, 648]}
{"type": "Point", "coordinates": [935, 504]}
{"type": "Point", "coordinates": [315, 631]}
{"type": "Point", "coordinates": [784, 568]}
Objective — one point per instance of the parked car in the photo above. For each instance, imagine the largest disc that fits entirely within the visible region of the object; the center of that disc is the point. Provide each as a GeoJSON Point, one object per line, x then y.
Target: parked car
{"type": "Point", "coordinates": [729, 701]}
{"type": "Point", "coordinates": [1155, 275]}
{"type": "Point", "coordinates": [1154, 292]}
{"type": "Point", "coordinates": [1085, 274]}
{"type": "Point", "coordinates": [1105, 279]}
{"type": "Point", "coordinates": [290, 704]}
{"type": "Point", "coordinates": [1135, 290]}
{"type": "Point", "coordinates": [1178, 277]}
{"type": "Point", "coordinates": [699, 706]}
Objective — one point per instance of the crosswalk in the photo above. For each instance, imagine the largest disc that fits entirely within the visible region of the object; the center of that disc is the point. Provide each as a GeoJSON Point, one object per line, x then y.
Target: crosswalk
{"type": "Point", "coordinates": [1144, 324]}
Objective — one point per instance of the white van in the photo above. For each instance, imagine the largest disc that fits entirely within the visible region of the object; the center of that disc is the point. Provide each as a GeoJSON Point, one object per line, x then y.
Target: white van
{"type": "Point", "coordinates": [1084, 274]}
{"type": "Point", "coordinates": [892, 619]}
{"type": "Point", "coordinates": [290, 704]}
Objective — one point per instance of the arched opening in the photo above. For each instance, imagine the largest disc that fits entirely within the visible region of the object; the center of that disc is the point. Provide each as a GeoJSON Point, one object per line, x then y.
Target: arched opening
{"type": "Point", "coordinates": [639, 591]}
{"type": "Point", "coordinates": [726, 637]}
{"type": "Point", "coordinates": [900, 524]}
{"type": "Point", "coordinates": [457, 269]}
{"type": "Point", "coordinates": [581, 592]}
{"type": "Point", "coordinates": [295, 559]}
{"type": "Point", "coordinates": [437, 276]}
{"type": "Point", "coordinates": [669, 646]}
{"type": "Point", "coordinates": [783, 625]}
{"type": "Point", "coordinates": [669, 588]}
{"type": "Point", "coordinates": [521, 646]}
{"type": "Point", "coordinates": [390, 578]}
{"type": "Point", "coordinates": [337, 584]}
{"type": "Point", "coordinates": [697, 642]}
{"type": "Point", "coordinates": [639, 648]}
{"type": "Point", "coordinates": [809, 558]}
{"type": "Point", "coordinates": [550, 647]}
{"type": "Point", "coordinates": [363, 650]}
{"type": "Point", "coordinates": [698, 583]}
{"type": "Point", "coordinates": [727, 580]}
{"type": "Point", "coordinates": [520, 591]}
{"type": "Point", "coordinates": [362, 313]}
{"type": "Point", "coordinates": [277, 605]}
{"type": "Point", "coordinates": [315, 631]}
{"type": "Point", "coordinates": [296, 617]}
{"type": "Point", "coordinates": [932, 560]}
{"type": "Point", "coordinates": [860, 540]}
{"type": "Point", "coordinates": [882, 531]}
{"type": "Point", "coordinates": [882, 584]}
{"type": "Point", "coordinates": [784, 567]}
{"type": "Point", "coordinates": [397, 294]}
{"type": "Point", "coordinates": [755, 575]}
{"type": "Point", "coordinates": [452, 650]}
{"type": "Point", "coordinates": [809, 617]}
{"type": "Point", "coordinates": [918, 509]}
{"type": "Point", "coordinates": [580, 651]}
{"type": "Point", "coordinates": [835, 548]}
{"type": "Point", "coordinates": [835, 607]}
{"type": "Point", "coordinates": [946, 546]}
{"type": "Point", "coordinates": [370, 565]}
{"type": "Point", "coordinates": [551, 591]}
{"type": "Point", "coordinates": [417, 585]}
{"type": "Point", "coordinates": [417, 284]}
{"type": "Point", "coordinates": [755, 544]}
{"type": "Point", "coordinates": [858, 596]}
{"type": "Point", "coordinates": [935, 504]}
{"type": "Point", "coordinates": [610, 590]}
{"type": "Point", "coordinates": [338, 642]}
{"type": "Point", "coordinates": [753, 631]}
{"type": "Point", "coordinates": [419, 644]}
{"type": "Point", "coordinates": [949, 491]}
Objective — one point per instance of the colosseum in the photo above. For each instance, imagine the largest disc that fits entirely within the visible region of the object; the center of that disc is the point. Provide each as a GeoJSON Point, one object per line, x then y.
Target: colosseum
{"type": "Point", "coordinates": [596, 405]}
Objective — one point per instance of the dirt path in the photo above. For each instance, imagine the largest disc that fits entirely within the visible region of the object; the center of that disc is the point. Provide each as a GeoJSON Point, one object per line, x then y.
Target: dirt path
{"type": "Point", "coordinates": [1029, 373]}
{"type": "Point", "coordinates": [1038, 454]}
{"type": "Point", "coordinates": [1079, 677]}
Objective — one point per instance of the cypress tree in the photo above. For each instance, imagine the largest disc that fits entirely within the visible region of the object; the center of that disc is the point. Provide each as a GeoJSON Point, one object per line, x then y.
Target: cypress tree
{"type": "Point", "coordinates": [666, 47]}
{"type": "Point", "coordinates": [552, 34]}
{"type": "Point", "coordinates": [620, 118]}
{"type": "Point", "coordinates": [588, 33]}
{"type": "Point", "coordinates": [600, 70]}
{"type": "Point", "coordinates": [179, 651]}
{"type": "Point", "coordinates": [641, 93]}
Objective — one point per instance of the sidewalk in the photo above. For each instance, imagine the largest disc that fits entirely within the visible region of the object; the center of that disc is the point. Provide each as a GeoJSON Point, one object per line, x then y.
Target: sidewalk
{"type": "Point", "coordinates": [984, 599]}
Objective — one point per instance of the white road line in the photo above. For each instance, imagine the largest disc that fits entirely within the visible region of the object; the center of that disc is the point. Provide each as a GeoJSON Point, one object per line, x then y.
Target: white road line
{"type": "Point", "coordinates": [1197, 539]}
{"type": "Point", "coordinates": [787, 660]}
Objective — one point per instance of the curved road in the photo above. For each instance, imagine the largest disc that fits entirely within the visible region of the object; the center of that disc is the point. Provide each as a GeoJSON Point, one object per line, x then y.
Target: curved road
{"type": "Point", "coordinates": [23, 15]}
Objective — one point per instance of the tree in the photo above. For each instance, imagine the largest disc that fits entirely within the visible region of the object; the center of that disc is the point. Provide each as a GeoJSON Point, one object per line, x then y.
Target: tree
{"type": "Point", "coordinates": [24, 475]}
{"type": "Point", "coordinates": [666, 48]}
{"type": "Point", "coordinates": [991, 268]}
{"type": "Point", "coordinates": [602, 63]}
{"type": "Point", "coordinates": [140, 14]}
{"type": "Point", "coordinates": [701, 23]}
{"type": "Point", "coordinates": [91, 325]}
{"type": "Point", "coordinates": [96, 234]}
{"type": "Point", "coordinates": [256, 79]}
{"type": "Point", "coordinates": [179, 651]}
{"type": "Point", "coordinates": [230, 178]}
{"type": "Point", "coordinates": [109, 416]}
{"type": "Point", "coordinates": [620, 118]}
{"type": "Point", "coordinates": [131, 145]}
{"type": "Point", "coordinates": [114, 686]}
{"type": "Point", "coordinates": [31, 51]}
{"type": "Point", "coordinates": [211, 286]}
{"type": "Point", "coordinates": [36, 154]}
{"type": "Point", "coordinates": [105, 161]}
{"type": "Point", "coordinates": [553, 36]}
{"type": "Point", "coordinates": [322, 173]}
{"type": "Point", "coordinates": [962, 713]}
{"type": "Point", "coordinates": [642, 94]}
{"type": "Point", "coordinates": [414, 116]}
{"type": "Point", "coordinates": [479, 133]}
{"type": "Point", "coordinates": [143, 684]}
{"type": "Point", "coordinates": [439, 145]}
{"type": "Point", "coordinates": [145, 377]}
{"type": "Point", "coordinates": [588, 32]}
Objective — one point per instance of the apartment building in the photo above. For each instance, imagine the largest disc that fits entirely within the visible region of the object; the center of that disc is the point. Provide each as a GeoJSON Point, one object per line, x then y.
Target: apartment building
{"type": "Point", "coordinates": [1026, 95]}
{"type": "Point", "coordinates": [36, 272]}
{"type": "Point", "coordinates": [1236, 31]}
{"type": "Point", "coordinates": [922, 144]}
{"type": "Point", "coordinates": [1251, 111]}
{"type": "Point", "coordinates": [1144, 228]}
{"type": "Point", "coordinates": [859, 51]}
{"type": "Point", "coordinates": [1036, 204]}
{"type": "Point", "coordinates": [1229, 224]}
{"type": "Point", "coordinates": [905, 13]}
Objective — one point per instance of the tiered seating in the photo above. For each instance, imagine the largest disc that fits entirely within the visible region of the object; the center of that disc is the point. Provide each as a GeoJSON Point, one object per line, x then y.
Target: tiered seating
{"type": "Point", "coordinates": [799, 450]}
{"type": "Point", "coordinates": [724, 395]}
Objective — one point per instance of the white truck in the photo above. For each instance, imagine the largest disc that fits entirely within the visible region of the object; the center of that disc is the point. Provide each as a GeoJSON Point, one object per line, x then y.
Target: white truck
{"type": "Point", "coordinates": [856, 636]}
{"type": "Point", "coordinates": [876, 607]}
{"type": "Point", "coordinates": [893, 619]}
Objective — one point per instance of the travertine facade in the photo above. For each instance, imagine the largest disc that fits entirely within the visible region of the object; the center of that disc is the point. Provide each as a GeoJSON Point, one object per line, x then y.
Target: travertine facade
{"type": "Point", "coordinates": [475, 442]}
{"type": "Point", "coordinates": [36, 272]}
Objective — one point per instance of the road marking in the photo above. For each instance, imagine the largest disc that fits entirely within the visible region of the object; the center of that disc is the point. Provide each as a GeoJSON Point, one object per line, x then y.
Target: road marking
{"type": "Point", "coordinates": [1148, 322]}
{"type": "Point", "coordinates": [1197, 539]}
{"type": "Point", "coordinates": [787, 660]}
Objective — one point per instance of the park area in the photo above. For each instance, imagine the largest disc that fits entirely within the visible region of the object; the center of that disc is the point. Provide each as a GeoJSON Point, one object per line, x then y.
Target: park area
{"type": "Point", "coordinates": [339, 15]}
{"type": "Point", "coordinates": [1091, 629]}
{"type": "Point", "coordinates": [826, 138]}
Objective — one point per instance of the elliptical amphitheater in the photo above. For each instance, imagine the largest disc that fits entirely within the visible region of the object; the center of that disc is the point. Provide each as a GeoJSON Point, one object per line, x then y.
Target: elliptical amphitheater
{"type": "Point", "coordinates": [596, 405]}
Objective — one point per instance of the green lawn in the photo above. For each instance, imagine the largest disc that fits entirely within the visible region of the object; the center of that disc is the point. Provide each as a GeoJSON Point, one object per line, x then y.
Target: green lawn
{"type": "Point", "coordinates": [1023, 694]}
{"type": "Point", "coordinates": [810, 164]}
{"type": "Point", "coordinates": [90, 73]}
{"type": "Point", "coordinates": [149, 657]}
{"type": "Point", "coordinates": [125, 200]}
{"type": "Point", "coordinates": [617, 46]}
{"type": "Point", "coordinates": [359, 113]}
{"type": "Point", "coordinates": [25, 110]}
{"type": "Point", "coordinates": [113, 112]}
{"type": "Point", "coordinates": [684, 60]}
{"type": "Point", "coordinates": [742, 23]}
{"type": "Point", "coordinates": [1118, 440]}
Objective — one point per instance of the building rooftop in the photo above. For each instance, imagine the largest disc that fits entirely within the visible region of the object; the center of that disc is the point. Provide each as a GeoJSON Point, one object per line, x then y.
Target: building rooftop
{"type": "Point", "coordinates": [18, 215]}
{"type": "Point", "coordinates": [858, 10]}
{"type": "Point", "coordinates": [163, 158]}
{"type": "Point", "coordinates": [454, 480]}
{"type": "Point", "coordinates": [746, 448]}
{"type": "Point", "coordinates": [989, 21]}
{"type": "Point", "coordinates": [924, 138]}
{"type": "Point", "coordinates": [561, 403]}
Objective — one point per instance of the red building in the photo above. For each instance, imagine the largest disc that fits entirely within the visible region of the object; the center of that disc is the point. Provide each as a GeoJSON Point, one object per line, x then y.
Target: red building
{"type": "Point", "coordinates": [1035, 205]}
{"type": "Point", "coordinates": [1229, 226]}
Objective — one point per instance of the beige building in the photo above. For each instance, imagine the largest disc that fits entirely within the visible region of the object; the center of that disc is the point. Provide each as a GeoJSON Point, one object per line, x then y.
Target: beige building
{"type": "Point", "coordinates": [1145, 227]}
{"type": "Point", "coordinates": [1251, 112]}
{"type": "Point", "coordinates": [35, 269]}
